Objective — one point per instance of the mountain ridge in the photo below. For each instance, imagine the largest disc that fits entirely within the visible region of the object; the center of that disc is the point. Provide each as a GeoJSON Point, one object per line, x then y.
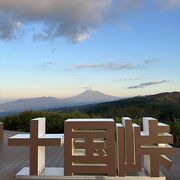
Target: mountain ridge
{"type": "Point", "coordinates": [38, 103]}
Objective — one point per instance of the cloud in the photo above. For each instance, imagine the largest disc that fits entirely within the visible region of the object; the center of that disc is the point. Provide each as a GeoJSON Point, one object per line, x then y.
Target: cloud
{"type": "Point", "coordinates": [127, 79]}
{"type": "Point", "coordinates": [9, 28]}
{"type": "Point", "coordinates": [46, 64]}
{"type": "Point", "coordinates": [144, 85]}
{"type": "Point", "coordinates": [115, 66]}
{"type": "Point", "coordinates": [150, 61]}
{"type": "Point", "coordinates": [75, 20]}
{"type": "Point", "coordinates": [147, 62]}
{"type": "Point", "coordinates": [168, 4]}
{"type": "Point", "coordinates": [90, 87]}
{"type": "Point", "coordinates": [104, 66]}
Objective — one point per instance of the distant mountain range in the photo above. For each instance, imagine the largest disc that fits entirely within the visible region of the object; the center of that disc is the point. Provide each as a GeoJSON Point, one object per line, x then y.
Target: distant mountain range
{"type": "Point", "coordinates": [163, 106]}
{"type": "Point", "coordinates": [87, 97]}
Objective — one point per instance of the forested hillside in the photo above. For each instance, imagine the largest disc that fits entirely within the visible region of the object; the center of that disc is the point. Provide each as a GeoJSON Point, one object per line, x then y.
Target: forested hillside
{"type": "Point", "coordinates": [164, 106]}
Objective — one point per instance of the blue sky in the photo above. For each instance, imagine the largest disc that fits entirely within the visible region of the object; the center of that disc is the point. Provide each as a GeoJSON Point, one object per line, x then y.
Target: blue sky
{"type": "Point", "coordinates": [126, 51]}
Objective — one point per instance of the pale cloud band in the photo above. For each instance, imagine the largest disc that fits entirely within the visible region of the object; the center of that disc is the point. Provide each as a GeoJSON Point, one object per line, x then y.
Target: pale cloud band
{"type": "Point", "coordinates": [75, 20]}
{"type": "Point", "coordinates": [115, 66]}
{"type": "Point", "coordinates": [104, 66]}
{"type": "Point", "coordinates": [144, 85]}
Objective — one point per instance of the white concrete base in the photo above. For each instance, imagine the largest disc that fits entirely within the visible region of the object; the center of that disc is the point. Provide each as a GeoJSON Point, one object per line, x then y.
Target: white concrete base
{"type": "Point", "coordinates": [58, 173]}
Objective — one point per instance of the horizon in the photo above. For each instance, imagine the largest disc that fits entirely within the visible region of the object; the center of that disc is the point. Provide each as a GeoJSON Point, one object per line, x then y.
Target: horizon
{"type": "Point", "coordinates": [3, 101]}
{"type": "Point", "coordinates": [118, 47]}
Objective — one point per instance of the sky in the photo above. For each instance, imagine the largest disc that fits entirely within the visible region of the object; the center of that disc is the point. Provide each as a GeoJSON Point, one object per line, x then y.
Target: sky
{"type": "Point", "coordinates": [60, 48]}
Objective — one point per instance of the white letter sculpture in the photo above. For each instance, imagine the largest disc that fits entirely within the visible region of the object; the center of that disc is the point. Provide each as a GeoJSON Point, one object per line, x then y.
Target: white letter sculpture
{"type": "Point", "coordinates": [100, 147]}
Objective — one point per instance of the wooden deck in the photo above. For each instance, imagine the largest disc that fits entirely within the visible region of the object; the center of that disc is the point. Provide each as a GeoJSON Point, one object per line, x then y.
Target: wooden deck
{"type": "Point", "coordinates": [13, 159]}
